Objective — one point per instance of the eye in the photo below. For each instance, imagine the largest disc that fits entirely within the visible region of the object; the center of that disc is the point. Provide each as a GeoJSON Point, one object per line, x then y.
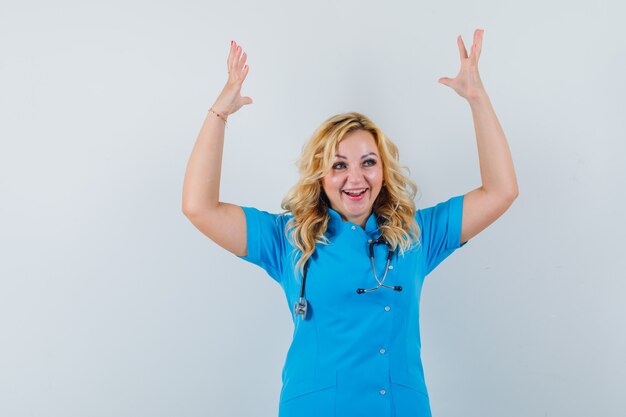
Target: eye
{"type": "Point", "coordinates": [371, 162]}
{"type": "Point", "coordinates": [337, 165]}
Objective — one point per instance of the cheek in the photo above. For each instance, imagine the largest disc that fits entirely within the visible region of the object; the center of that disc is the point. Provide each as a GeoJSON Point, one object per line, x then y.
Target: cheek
{"type": "Point", "coordinates": [332, 181]}
{"type": "Point", "coordinates": [375, 178]}
{"type": "Point", "coordinates": [329, 185]}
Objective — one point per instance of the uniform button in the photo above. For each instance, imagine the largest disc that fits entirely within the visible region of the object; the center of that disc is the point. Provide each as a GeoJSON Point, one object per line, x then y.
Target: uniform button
{"type": "Point", "coordinates": [390, 266]}
{"type": "Point", "coordinates": [353, 227]}
{"type": "Point", "coordinates": [382, 351]}
{"type": "Point", "coordinates": [387, 308]}
{"type": "Point", "coordinates": [382, 392]}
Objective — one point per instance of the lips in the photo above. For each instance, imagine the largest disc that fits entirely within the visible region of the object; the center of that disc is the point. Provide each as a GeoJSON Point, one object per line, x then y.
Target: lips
{"type": "Point", "coordinates": [354, 191]}
{"type": "Point", "coordinates": [355, 194]}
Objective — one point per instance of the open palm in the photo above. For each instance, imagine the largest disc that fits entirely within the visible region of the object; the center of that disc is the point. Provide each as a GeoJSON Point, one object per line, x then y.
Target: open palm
{"type": "Point", "coordinates": [230, 99]}
{"type": "Point", "coordinates": [467, 83]}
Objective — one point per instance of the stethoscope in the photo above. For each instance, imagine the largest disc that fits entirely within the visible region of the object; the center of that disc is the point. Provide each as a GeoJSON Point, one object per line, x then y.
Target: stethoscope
{"type": "Point", "coordinates": [302, 304]}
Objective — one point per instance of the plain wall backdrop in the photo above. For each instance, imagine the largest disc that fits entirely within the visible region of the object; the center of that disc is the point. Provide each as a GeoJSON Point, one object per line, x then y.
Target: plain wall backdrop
{"type": "Point", "coordinates": [113, 304]}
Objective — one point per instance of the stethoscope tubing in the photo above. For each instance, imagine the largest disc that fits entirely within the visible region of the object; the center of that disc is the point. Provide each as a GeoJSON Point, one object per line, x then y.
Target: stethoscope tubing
{"type": "Point", "coordinates": [301, 306]}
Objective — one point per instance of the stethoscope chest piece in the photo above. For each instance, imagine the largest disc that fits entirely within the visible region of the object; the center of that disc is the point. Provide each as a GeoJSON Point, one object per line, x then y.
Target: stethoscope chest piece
{"type": "Point", "coordinates": [301, 307]}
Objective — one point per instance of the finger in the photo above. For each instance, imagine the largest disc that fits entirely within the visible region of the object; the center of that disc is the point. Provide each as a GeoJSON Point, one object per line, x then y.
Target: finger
{"type": "Point", "coordinates": [462, 51]}
{"type": "Point", "coordinates": [444, 80]}
{"type": "Point", "coordinates": [476, 47]}
{"type": "Point", "coordinates": [235, 59]}
{"type": "Point", "coordinates": [231, 55]}
{"type": "Point", "coordinates": [237, 66]}
{"type": "Point", "coordinates": [242, 61]}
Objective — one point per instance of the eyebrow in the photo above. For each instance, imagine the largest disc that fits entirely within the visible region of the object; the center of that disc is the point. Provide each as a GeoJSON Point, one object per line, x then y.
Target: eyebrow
{"type": "Point", "coordinates": [365, 155]}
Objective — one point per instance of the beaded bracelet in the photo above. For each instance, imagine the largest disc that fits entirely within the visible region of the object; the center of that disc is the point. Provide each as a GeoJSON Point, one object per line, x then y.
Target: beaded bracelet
{"type": "Point", "coordinates": [218, 115]}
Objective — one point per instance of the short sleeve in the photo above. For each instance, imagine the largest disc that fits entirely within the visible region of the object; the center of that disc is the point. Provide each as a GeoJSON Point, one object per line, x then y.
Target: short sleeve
{"type": "Point", "coordinates": [440, 230]}
{"type": "Point", "coordinates": [265, 240]}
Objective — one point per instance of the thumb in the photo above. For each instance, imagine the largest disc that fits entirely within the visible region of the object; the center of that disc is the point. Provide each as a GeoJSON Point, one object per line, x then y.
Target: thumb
{"type": "Point", "coordinates": [445, 81]}
{"type": "Point", "coordinates": [247, 100]}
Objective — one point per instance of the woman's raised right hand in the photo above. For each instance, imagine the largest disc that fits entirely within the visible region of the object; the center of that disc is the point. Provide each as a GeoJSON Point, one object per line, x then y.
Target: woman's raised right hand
{"type": "Point", "coordinates": [230, 99]}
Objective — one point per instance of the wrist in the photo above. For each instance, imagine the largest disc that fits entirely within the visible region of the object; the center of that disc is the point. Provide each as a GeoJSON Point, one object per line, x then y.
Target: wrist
{"type": "Point", "coordinates": [218, 113]}
{"type": "Point", "coordinates": [479, 98]}
{"type": "Point", "coordinates": [220, 109]}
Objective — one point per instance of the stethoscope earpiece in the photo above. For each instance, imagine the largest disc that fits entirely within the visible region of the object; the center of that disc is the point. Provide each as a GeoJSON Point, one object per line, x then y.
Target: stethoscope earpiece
{"type": "Point", "coordinates": [395, 288]}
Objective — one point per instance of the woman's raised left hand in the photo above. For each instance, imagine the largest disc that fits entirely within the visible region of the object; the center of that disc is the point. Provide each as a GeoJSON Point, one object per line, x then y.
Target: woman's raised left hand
{"type": "Point", "coordinates": [467, 83]}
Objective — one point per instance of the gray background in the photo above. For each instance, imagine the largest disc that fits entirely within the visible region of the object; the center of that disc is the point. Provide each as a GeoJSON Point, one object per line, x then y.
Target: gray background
{"type": "Point", "coordinates": [113, 304]}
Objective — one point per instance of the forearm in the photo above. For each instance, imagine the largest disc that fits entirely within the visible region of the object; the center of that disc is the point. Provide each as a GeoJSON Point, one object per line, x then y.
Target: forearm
{"type": "Point", "coordinates": [201, 186]}
{"type": "Point", "coordinates": [496, 164]}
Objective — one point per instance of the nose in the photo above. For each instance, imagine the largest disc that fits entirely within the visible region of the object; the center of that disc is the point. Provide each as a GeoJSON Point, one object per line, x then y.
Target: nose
{"type": "Point", "coordinates": [355, 175]}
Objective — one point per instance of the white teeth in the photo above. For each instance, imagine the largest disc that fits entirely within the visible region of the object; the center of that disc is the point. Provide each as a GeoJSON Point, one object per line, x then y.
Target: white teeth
{"type": "Point", "coordinates": [355, 192]}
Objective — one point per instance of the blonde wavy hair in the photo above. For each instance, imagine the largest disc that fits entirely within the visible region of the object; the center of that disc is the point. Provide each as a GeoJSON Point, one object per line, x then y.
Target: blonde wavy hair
{"type": "Point", "coordinates": [306, 200]}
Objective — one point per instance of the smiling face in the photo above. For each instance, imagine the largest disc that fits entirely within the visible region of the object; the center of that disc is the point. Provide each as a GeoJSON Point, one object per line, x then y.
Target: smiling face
{"type": "Point", "coordinates": [357, 168]}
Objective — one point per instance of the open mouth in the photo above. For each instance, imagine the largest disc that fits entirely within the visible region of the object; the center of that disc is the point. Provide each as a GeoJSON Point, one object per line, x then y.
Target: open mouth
{"type": "Point", "coordinates": [355, 195]}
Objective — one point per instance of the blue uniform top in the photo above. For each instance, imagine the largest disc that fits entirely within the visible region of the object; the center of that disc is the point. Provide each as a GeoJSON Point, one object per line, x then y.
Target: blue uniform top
{"type": "Point", "coordinates": [356, 355]}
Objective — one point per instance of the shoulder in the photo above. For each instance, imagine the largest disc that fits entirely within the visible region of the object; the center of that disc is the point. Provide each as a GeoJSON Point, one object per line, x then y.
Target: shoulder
{"type": "Point", "coordinates": [447, 207]}
{"type": "Point", "coordinates": [264, 223]}
{"type": "Point", "coordinates": [254, 212]}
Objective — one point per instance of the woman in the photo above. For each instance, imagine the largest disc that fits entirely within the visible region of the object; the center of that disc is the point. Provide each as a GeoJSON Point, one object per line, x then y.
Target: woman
{"type": "Point", "coordinates": [351, 251]}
